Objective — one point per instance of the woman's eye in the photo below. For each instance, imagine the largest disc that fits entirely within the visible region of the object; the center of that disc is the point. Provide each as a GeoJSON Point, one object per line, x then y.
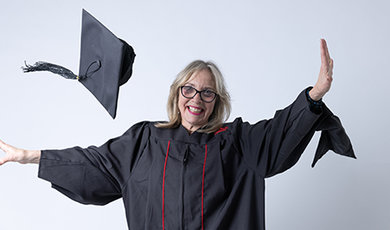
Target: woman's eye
{"type": "Point", "coordinates": [208, 93]}
{"type": "Point", "coordinates": [188, 89]}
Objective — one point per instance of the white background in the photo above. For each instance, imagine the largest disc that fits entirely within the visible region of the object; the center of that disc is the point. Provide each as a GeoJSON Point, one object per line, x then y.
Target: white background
{"type": "Point", "coordinates": [268, 52]}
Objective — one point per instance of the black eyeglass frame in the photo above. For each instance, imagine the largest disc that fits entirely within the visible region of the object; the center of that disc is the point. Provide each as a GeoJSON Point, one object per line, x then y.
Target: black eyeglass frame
{"type": "Point", "coordinates": [196, 92]}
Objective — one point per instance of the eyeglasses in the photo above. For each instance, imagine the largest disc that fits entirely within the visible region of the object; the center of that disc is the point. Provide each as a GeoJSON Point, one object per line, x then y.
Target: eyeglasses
{"type": "Point", "coordinates": [205, 95]}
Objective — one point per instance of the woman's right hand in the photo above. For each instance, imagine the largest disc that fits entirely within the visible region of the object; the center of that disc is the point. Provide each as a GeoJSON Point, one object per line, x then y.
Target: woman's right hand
{"type": "Point", "coordinates": [13, 154]}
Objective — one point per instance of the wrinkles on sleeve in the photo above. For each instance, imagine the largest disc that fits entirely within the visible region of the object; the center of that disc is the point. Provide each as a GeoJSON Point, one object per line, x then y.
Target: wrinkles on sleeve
{"type": "Point", "coordinates": [77, 179]}
{"type": "Point", "coordinates": [291, 131]}
{"type": "Point", "coordinates": [333, 137]}
{"type": "Point", "coordinates": [118, 156]}
{"type": "Point", "coordinates": [273, 146]}
{"type": "Point", "coordinates": [94, 175]}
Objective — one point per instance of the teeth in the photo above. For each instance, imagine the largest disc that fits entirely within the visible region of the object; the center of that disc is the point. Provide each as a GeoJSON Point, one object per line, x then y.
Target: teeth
{"type": "Point", "coordinates": [194, 110]}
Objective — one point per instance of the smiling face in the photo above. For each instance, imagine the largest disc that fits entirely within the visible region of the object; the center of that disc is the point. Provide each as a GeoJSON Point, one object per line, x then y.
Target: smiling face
{"type": "Point", "coordinates": [194, 112]}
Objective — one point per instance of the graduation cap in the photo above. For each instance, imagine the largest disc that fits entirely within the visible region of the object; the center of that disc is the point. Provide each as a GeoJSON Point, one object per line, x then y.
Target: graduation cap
{"type": "Point", "coordinates": [106, 62]}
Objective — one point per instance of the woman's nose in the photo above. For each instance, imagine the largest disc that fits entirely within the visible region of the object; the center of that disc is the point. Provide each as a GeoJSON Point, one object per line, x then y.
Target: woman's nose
{"type": "Point", "coordinates": [197, 97]}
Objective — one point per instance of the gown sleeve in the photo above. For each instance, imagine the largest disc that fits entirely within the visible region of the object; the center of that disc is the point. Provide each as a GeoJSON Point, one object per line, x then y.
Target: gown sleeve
{"type": "Point", "coordinates": [273, 146]}
{"type": "Point", "coordinates": [95, 175]}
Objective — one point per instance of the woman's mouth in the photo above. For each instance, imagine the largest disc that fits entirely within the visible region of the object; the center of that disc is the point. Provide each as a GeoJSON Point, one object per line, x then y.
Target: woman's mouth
{"type": "Point", "coordinates": [194, 110]}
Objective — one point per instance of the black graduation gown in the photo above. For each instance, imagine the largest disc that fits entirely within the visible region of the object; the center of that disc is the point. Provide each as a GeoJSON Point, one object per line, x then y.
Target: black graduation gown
{"type": "Point", "coordinates": [169, 179]}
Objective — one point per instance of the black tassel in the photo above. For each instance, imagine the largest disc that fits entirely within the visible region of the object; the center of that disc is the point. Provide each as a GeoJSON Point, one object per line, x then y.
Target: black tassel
{"type": "Point", "coordinates": [57, 69]}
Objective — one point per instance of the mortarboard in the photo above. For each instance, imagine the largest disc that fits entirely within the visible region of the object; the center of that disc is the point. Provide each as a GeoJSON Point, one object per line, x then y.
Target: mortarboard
{"type": "Point", "coordinates": [106, 62]}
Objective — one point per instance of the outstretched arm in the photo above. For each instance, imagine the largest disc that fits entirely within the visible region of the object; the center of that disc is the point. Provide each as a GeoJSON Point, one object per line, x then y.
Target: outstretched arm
{"type": "Point", "coordinates": [13, 154]}
{"type": "Point", "coordinates": [325, 76]}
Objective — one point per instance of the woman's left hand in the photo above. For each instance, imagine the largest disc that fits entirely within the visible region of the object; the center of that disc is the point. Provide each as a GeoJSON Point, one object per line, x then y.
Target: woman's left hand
{"type": "Point", "coordinates": [13, 154]}
{"type": "Point", "coordinates": [325, 77]}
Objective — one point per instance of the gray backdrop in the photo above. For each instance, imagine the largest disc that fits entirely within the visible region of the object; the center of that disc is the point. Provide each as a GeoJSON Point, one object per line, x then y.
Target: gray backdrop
{"type": "Point", "coordinates": [268, 52]}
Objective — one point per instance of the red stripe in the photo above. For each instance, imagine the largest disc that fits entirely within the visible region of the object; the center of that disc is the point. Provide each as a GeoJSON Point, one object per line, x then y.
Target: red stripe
{"type": "Point", "coordinates": [221, 130]}
{"type": "Point", "coordinates": [204, 167]}
{"type": "Point", "coordinates": [163, 184]}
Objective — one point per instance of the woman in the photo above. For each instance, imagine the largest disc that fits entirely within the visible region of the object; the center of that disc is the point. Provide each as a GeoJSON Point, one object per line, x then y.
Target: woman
{"type": "Point", "coordinates": [194, 171]}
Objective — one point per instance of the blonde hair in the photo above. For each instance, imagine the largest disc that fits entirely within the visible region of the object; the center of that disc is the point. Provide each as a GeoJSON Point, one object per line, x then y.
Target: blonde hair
{"type": "Point", "coordinates": [222, 106]}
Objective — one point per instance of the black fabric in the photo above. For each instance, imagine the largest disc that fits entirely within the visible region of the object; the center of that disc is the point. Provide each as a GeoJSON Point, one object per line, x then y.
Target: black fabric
{"type": "Point", "coordinates": [333, 137]}
{"type": "Point", "coordinates": [239, 158]}
{"type": "Point", "coordinates": [100, 45]}
{"type": "Point", "coordinates": [106, 62]}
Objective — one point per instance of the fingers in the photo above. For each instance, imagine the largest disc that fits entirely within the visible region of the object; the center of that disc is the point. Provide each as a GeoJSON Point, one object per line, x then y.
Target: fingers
{"type": "Point", "coordinates": [3, 160]}
{"type": "Point", "coordinates": [5, 147]}
{"type": "Point", "coordinates": [323, 52]}
{"type": "Point", "coordinates": [326, 49]}
{"type": "Point", "coordinates": [2, 147]}
{"type": "Point", "coordinates": [325, 57]}
{"type": "Point", "coordinates": [326, 71]}
{"type": "Point", "coordinates": [326, 60]}
{"type": "Point", "coordinates": [330, 70]}
{"type": "Point", "coordinates": [9, 151]}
